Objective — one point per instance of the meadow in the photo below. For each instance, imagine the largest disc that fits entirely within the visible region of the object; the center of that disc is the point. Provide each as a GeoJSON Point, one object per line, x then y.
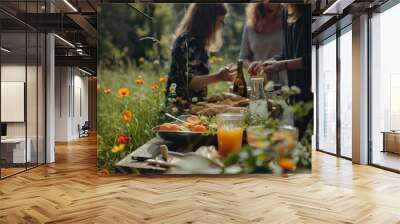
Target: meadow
{"type": "Point", "coordinates": [131, 102]}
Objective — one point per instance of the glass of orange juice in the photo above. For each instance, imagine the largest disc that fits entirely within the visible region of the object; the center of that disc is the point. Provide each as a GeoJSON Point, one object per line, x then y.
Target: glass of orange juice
{"type": "Point", "coordinates": [230, 132]}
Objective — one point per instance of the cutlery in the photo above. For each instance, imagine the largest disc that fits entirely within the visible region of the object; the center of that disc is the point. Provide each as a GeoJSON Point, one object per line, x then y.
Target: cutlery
{"type": "Point", "coordinates": [173, 117]}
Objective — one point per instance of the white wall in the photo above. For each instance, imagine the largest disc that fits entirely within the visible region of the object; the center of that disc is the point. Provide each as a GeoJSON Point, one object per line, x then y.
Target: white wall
{"type": "Point", "coordinates": [71, 94]}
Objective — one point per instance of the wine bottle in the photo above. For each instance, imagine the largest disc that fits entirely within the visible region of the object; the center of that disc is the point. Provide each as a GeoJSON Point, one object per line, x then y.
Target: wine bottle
{"type": "Point", "coordinates": [239, 84]}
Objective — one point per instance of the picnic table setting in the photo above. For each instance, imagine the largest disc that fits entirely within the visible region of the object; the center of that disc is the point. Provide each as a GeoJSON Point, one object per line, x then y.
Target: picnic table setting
{"type": "Point", "coordinates": [226, 134]}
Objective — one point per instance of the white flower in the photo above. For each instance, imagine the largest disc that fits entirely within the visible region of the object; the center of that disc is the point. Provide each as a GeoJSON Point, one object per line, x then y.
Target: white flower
{"type": "Point", "coordinates": [172, 89]}
{"type": "Point", "coordinates": [285, 89]}
{"type": "Point", "coordinates": [195, 100]}
{"type": "Point", "coordinates": [173, 86]}
{"type": "Point", "coordinates": [174, 110]}
{"type": "Point", "coordinates": [296, 90]}
{"type": "Point", "coordinates": [171, 100]}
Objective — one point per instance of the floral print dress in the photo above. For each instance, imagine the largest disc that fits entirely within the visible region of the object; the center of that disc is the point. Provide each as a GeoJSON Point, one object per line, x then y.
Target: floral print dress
{"type": "Point", "coordinates": [189, 59]}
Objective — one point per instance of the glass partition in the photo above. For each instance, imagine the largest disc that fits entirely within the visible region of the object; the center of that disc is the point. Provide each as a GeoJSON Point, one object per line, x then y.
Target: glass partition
{"type": "Point", "coordinates": [14, 151]}
{"type": "Point", "coordinates": [22, 88]}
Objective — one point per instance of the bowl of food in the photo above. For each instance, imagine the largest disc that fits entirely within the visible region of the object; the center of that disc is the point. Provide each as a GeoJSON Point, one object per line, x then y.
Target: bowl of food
{"type": "Point", "coordinates": [189, 134]}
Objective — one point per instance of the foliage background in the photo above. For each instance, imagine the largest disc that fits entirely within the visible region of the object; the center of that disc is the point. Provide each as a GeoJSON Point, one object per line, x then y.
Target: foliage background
{"type": "Point", "coordinates": [121, 28]}
{"type": "Point", "coordinates": [125, 57]}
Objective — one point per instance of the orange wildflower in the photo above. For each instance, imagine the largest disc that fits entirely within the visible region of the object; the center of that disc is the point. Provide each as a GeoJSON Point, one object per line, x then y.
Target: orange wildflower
{"type": "Point", "coordinates": [154, 87]}
{"type": "Point", "coordinates": [107, 91]}
{"type": "Point", "coordinates": [287, 164]}
{"type": "Point", "coordinates": [123, 92]}
{"type": "Point", "coordinates": [163, 79]}
{"type": "Point", "coordinates": [127, 116]}
{"type": "Point", "coordinates": [139, 81]}
{"type": "Point", "coordinates": [104, 173]}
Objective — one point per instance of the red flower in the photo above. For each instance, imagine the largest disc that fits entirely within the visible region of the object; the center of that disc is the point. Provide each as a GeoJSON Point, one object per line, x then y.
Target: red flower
{"type": "Point", "coordinates": [123, 139]}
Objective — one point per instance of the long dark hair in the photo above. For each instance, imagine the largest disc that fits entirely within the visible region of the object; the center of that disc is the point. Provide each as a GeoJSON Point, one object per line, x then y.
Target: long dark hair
{"type": "Point", "coordinates": [200, 21]}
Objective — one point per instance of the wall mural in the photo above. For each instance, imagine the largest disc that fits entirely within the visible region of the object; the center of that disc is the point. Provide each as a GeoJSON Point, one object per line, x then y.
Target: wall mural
{"type": "Point", "coordinates": [204, 88]}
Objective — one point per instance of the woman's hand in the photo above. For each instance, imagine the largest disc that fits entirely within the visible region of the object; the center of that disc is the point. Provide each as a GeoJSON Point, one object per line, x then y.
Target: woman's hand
{"type": "Point", "coordinates": [226, 73]}
{"type": "Point", "coordinates": [254, 68]}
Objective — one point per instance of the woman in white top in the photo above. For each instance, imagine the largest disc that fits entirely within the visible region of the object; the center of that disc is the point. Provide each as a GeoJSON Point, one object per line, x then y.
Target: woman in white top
{"type": "Point", "coordinates": [262, 37]}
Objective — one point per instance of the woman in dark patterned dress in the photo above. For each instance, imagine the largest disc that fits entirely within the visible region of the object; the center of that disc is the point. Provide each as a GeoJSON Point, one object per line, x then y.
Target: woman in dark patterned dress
{"type": "Point", "coordinates": [198, 34]}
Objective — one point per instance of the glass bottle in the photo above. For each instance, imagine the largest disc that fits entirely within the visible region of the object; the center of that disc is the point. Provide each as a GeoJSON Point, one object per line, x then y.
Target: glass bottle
{"type": "Point", "coordinates": [239, 84]}
{"type": "Point", "coordinates": [258, 102]}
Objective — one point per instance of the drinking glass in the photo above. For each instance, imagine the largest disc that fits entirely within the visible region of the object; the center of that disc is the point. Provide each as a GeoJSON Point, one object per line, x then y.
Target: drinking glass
{"type": "Point", "coordinates": [257, 136]}
{"type": "Point", "coordinates": [229, 132]}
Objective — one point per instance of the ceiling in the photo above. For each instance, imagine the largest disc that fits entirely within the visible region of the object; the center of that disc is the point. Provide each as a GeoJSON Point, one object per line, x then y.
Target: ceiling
{"type": "Point", "coordinates": [74, 22]}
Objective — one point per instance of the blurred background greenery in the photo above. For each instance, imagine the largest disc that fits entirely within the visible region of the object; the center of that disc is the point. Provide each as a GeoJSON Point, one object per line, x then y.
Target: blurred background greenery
{"type": "Point", "coordinates": [125, 33]}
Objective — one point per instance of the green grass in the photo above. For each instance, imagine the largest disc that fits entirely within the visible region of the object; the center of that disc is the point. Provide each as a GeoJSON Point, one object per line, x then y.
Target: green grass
{"type": "Point", "coordinates": [145, 104]}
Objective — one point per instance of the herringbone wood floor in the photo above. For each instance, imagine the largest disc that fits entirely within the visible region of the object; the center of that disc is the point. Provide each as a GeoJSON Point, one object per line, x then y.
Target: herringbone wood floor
{"type": "Point", "coordinates": [70, 191]}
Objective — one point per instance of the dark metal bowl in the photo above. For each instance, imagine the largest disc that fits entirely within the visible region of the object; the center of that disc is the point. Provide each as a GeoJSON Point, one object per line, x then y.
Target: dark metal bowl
{"type": "Point", "coordinates": [186, 140]}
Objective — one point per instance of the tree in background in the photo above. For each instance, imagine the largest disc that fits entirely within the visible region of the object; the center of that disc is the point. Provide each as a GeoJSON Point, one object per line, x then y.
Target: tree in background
{"type": "Point", "coordinates": [127, 35]}
{"type": "Point", "coordinates": [122, 29]}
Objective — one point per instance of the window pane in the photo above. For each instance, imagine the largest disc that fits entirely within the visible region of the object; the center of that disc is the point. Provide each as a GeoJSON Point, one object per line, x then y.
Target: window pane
{"type": "Point", "coordinates": [385, 83]}
{"type": "Point", "coordinates": [346, 94]}
{"type": "Point", "coordinates": [327, 97]}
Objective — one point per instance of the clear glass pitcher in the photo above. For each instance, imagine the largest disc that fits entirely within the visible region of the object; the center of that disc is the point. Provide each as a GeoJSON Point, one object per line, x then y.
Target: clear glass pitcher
{"type": "Point", "coordinates": [258, 102]}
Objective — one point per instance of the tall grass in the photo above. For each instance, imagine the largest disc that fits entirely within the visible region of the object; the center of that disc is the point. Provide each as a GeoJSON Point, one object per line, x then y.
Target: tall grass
{"type": "Point", "coordinates": [145, 101]}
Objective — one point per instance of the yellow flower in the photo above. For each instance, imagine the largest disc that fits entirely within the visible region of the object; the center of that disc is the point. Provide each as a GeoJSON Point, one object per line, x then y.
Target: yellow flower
{"type": "Point", "coordinates": [118, 148]}
{"type": "Point", "coordinates": [98, 85]}
{"type": "Point", "coordinates": [141, 59]}
{"type": "Point", "coordinates": [287, 164]}
{"type": "Point", "coordinates": [139, 81]}
{"type": "Point", "coordinates": [107, 91]}
{"type": "Point", "coordinates": [123, 92]}
{"type": "Point", "coordinates": [163, 79]}
{"type": "Point", "coordinates": [127, 116]}
{"type": "Point", "coordinates": [163, 90]}
{"type": "Point", "coordinates": [154, 87]}
{"type": "Point", "coordinates": [220, 59]}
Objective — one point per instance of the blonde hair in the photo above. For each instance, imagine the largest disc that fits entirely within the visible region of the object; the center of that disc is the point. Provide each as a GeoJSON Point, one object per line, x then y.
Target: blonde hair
{"type": "Point", "coordinates": [200, 21]}
{"type": "Point", "coordinates": [256, 16]}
